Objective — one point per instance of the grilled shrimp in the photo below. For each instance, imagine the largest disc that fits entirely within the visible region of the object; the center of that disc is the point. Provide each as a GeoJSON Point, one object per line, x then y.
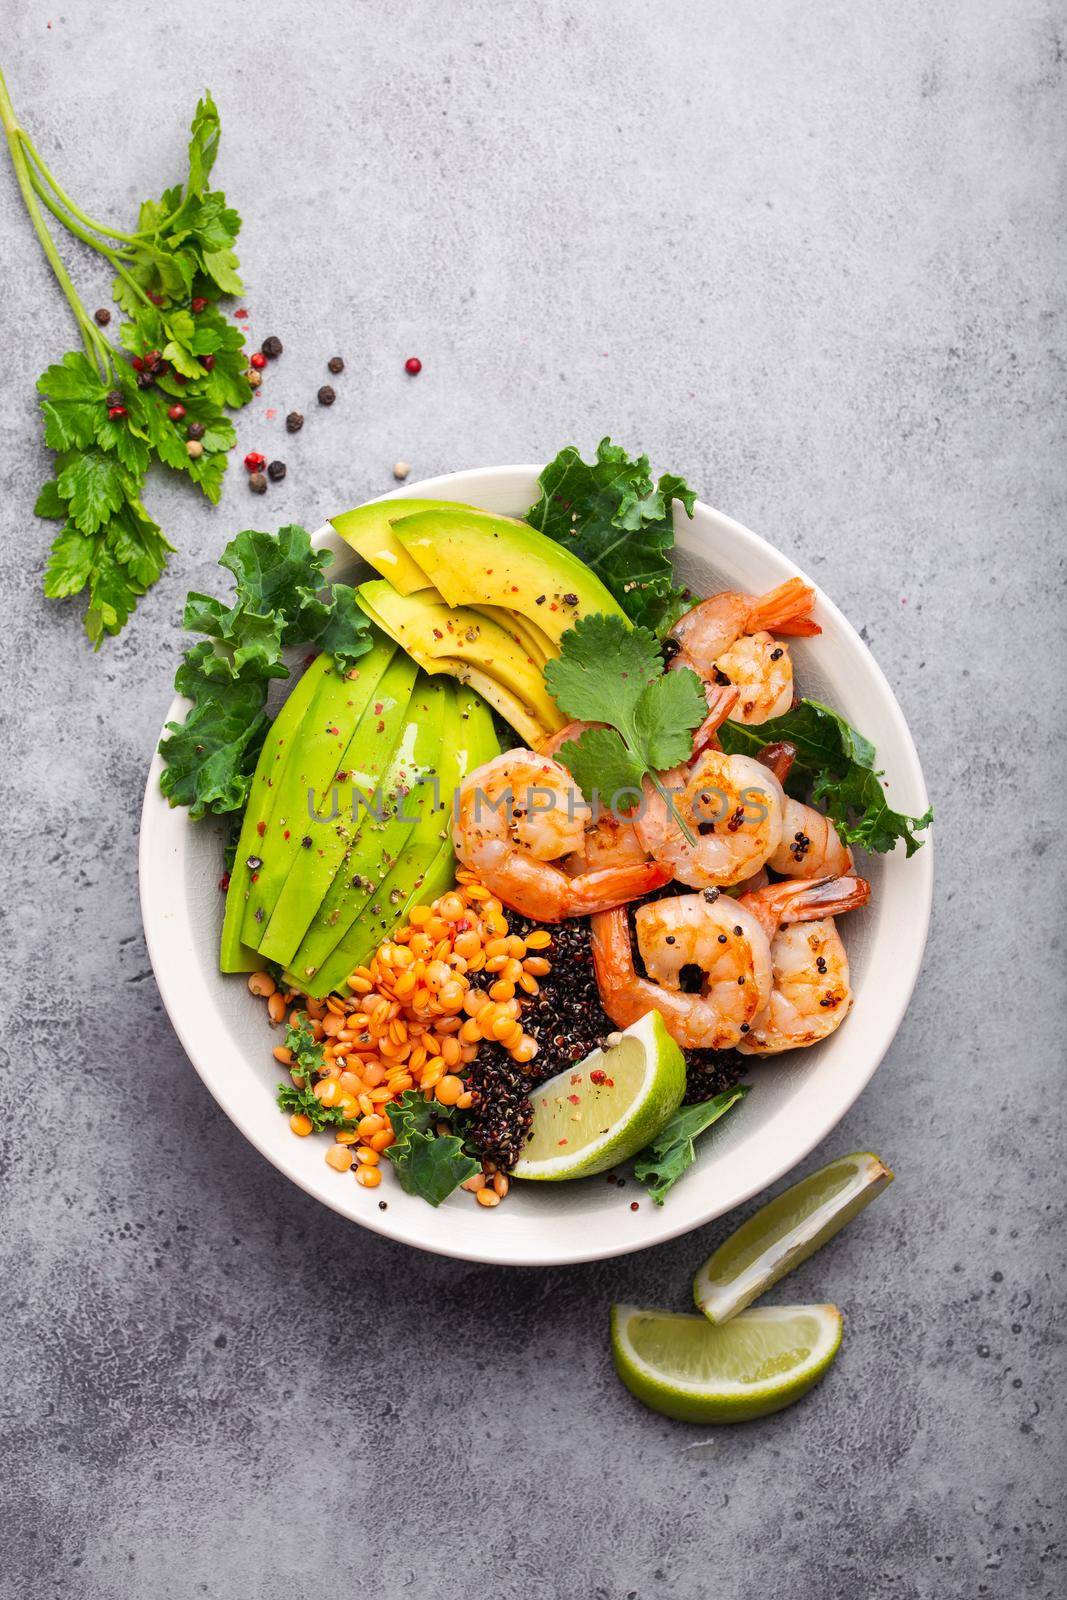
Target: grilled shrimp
{"type": "Point", "coordinates": [516, 818]}
{"type": "Point", "coordinates": [811, 994]}
{"type": "Point", "coordinates": [811, 846]}
{"type": "Point", "coordinates": [729, 639]}
{"type": "Point", "coordinates": [719, 938]}
{"type": "Point", "coordinates": [609, 839]}
{"type": "Point", "coordinates": [733, 807]}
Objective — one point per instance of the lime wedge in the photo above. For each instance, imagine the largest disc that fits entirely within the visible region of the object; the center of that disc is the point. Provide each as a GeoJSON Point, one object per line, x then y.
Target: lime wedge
{"type": "Point", "coordinates": [682, 1366]}
{"type": "Point", "coordinates": [607, 1108]}
{"type": "Point", "coordinates": [785, 1232]}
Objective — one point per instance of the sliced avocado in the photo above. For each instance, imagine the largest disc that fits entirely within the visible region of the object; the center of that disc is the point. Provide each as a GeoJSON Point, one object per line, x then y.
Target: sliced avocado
{"type": "Point", "coordinates": [439, 635]}
{"type": "Point", "coordinates": [472, 558]}
{"type": "Point", "coordinates": [367, 529]}
{"type": "Point", "coordinates": [426, 866]}
{"type": "Point", "coordinates": [527, 634]}
{"type": "Point", "coordinates": [406, 789]}
{"type": "Point", "coordinates": [339, 811]}
{"type": "Point", "coordinates": [233, 955]}
{"type": "Point", "coordinates": [319, 744]}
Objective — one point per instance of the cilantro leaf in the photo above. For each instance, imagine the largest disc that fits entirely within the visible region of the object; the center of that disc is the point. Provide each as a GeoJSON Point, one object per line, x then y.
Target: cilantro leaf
{"type": "Point", "coordinates": [616, 519]}
{"type": "Point", "coordinates": [609, 673]}
{"type": "Point", "coordinates": [673, 1150]}
{"type": "Point", "coordinates": [834, 766]}
{"type": "Point", "coordinates": [427, 1164]}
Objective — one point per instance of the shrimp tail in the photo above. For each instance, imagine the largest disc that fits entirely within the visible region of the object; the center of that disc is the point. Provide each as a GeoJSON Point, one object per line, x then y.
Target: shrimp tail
{"type": "Point", "coordinates": [721, 700]}
{"type": "Point", "coordinates": [609, 887]}
{"type": "Point", "coordinates": [785, 610]}
{"type": "Point", "coordinates": [778, 758]}
{"type": "Point", "coordinates": [806, 900]}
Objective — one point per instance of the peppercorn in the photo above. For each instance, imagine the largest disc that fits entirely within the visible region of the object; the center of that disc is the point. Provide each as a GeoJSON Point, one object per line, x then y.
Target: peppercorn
{"type": "Point", "coordinates": [208, 363]}
{"type": "Point", "coordinates": [137, 364]}
{"type": "Point", "coordinates": [198, 305]}
{"type": "Point", "coordinates": [413, 366]}
{"type": "Point", "coordinates": [254, 378]}
{"type": "Point", "coordinates": [153, 359]}
{"type": "Point", "coordinates": [327, 396]}
{"type": "Point", "coordinates": [194, 448]}
{"type": "Point", "coordinates": [257, 482]}
{"type": "Point", "coordinates": [103, 316]}
{"type": "Point", "coordinates": [335, 364]}
{"type": "Point", "coordinates": [254, 461]}
{"type": "Point", "coordinates": [114, 397]}
{"type": "Point", "coordinates": [116, 411]}
{"type": "Point", "coordinates": [176, 412]}
{"type": "Point", "coordinates": [195, 430]}
{"type": "Point", "coordinates": [276, 471]}
{"type": "Point", "coordinates": [294, 422]}
{"type": "Point", "coordinates": [258, 359]}
{"type": "Point", "coordinates": [401, 470]}
{"type": "Point", "coordinates": [272, 347]}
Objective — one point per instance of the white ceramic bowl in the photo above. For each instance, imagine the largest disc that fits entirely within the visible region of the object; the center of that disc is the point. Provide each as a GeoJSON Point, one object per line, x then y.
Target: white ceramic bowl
{"type": "Point", "coordinates": [796, 1099]}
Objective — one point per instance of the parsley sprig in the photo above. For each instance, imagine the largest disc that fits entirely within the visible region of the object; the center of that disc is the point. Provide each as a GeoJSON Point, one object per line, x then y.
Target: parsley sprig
{"type": "Point", "coordinates": [105, 420]}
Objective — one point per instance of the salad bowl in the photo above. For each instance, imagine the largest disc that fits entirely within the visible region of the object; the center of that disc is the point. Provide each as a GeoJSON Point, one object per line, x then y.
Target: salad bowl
{"type": "Point", "coordinates": [796, 1100]}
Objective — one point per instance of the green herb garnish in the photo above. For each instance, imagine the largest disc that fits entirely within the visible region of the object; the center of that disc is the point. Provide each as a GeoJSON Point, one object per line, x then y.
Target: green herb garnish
{"type": "Point", "coordinates": [834, 766]}
{"type": "Point", "coordinates": [106, 420]}
{"type": "Point", "coordinates": [673, 1150]}
{"type": "Point", "coordinates": [308, 1062]}
{"type": "Point", "coordinates": [279, 600]}
{"type": "Point", "coordinates": [427, 1163]}
{"type": "Point", "coordinates": [609, 673]}
{"type": "Point", "coordinates": [619, 521]}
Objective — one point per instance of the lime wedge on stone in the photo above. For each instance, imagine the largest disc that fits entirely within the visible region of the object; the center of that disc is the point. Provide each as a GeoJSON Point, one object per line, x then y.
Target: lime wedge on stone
{"type": "Point", "coordinates": [683, 1366]}
{"type": "Point", "coordinates": [606, 1108]}
{"type": "Point", "coordinates": [785, 1232]}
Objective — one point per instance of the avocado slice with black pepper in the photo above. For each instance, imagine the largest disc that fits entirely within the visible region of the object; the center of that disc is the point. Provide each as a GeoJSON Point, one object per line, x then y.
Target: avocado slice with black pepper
{"type": "Point", "coordinates": [235, 956]}
{"type": "Point", "coordinates": [407, 787]}
{"type": "Point", "coordinates": [475, 558]}
{"type": "Point", "coordinates": [328, 833]}
{"type": "Point", "coordinates": [426, 866]}
{"type": "Point", "coordinates": [318, 746]}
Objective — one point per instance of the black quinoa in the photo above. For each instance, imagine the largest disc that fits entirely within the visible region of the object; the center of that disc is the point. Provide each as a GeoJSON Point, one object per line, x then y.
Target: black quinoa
{"type": "Point", "coordinates": [710, 1072]}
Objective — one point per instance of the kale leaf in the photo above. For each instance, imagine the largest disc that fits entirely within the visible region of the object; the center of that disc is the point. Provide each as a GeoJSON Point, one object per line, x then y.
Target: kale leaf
{"type": "Point", "coordinates": [834, 766]}
{"type": "Point", "coordinates": [427, 1163]}
{"type": "Point", "coordinates": [619, 521]}
{"type": "Point", "coordinates": [673, 1150]}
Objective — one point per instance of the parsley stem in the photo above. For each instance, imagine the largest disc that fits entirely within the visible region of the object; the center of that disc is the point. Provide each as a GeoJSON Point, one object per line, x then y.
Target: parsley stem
{"type": "Point", "coordinates": [90, 334]}
{"type": "Point", "coordinates": [75, 211]}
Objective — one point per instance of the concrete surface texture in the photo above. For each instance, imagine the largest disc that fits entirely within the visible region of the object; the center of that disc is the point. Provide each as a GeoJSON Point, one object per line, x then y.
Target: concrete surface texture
{"type": "Point", "coordinates": [812, 257]}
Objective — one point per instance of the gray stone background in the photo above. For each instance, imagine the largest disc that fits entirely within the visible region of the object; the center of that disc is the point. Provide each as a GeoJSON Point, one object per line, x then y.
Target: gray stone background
{"type": "Point", "coordinates": [812, 257]}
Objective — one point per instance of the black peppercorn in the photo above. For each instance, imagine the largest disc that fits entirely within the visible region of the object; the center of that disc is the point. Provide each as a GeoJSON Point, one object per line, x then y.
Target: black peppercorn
{"type": "Point", "coordinates": [257, 482]}
{"type": "Point", "coordinates": [276, 471]}
{"type": "Point", "coordinates": [114, 397]}
{"type": "Point", "coordinates": [195, 430]}
{"type": "Point", "coordinates": [327, 396]}
{"type": "Point", "coordinates": [335, 364]}
{"type": "Point", "coordinates": [272, 347]}
{"type": "Point", "coordinates": [103, 316]}
{"type": "Point", "coordinates": [294, 422]}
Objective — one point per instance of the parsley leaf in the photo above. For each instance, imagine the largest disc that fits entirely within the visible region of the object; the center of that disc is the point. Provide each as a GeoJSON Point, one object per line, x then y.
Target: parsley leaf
{"type": "Point", "coordinates": [211, 756]}
{"type": "Point", "coordinates": [834, 766]}
{"type": "Point", "coordinates": [108, 421]}
{"type": "Point", "coordinates": [618, 521]}
{"type": "Point", "coordinates": [673, 1150]}
{"type": "Point", "coordinates": [427, 1163]}
{"type": "Point", "coordinates": [609, 673]}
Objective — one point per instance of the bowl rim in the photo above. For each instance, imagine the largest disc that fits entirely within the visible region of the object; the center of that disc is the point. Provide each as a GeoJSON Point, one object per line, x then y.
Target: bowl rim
{"type": "Point", "coordinates": [156, 813]}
